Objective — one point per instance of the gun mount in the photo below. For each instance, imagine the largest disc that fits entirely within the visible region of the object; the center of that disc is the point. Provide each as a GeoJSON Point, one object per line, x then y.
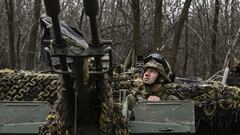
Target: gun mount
{"type": "Point", "coordinates": [75, 73]}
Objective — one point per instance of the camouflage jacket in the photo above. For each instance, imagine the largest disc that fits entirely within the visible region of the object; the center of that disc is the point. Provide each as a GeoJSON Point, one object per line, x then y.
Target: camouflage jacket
{"type": "Point", "coordinates": [161, 93]}
{"type": "Point", "coordinates": [137, 95]}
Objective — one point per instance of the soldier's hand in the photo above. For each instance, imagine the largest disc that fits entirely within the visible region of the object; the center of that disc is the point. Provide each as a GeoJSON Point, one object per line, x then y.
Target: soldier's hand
{"type": "Point", "coordinates": [153, 98]}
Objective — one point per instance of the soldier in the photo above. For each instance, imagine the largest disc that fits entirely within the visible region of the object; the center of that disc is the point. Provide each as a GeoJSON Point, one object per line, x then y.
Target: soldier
{"type": "Point", "coordinates": [157, 73]}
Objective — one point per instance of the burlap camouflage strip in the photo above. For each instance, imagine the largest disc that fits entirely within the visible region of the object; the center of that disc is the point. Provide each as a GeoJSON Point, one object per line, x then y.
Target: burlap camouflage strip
{"type": "Point", "coordinates": [28, 86]}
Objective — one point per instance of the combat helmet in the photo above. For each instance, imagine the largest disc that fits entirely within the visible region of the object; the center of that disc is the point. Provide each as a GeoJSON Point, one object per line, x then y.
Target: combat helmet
{"type": "Point", "coordinates": [156, 61]}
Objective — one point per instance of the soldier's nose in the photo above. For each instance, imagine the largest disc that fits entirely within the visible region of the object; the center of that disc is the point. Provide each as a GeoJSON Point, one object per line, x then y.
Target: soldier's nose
{"type": "Point", "coordinates": [146, 74]}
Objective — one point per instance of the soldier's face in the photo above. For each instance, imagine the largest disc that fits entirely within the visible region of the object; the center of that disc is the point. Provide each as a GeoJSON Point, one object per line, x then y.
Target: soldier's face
{"type": "Point", "coordinates": [149, 76]}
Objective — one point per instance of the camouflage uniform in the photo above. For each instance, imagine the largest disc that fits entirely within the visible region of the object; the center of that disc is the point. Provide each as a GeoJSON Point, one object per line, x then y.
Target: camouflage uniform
{"type": "Point", "coordinates": [146, 92]}
{"type": "Point", "coordinates": [160, 65]}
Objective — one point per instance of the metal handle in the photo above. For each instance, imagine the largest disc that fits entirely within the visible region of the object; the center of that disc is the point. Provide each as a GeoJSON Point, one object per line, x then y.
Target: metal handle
{"type": "Point", "coordinates": [166, 129]}
{"type": "Point", "coordinates": [157, 103]}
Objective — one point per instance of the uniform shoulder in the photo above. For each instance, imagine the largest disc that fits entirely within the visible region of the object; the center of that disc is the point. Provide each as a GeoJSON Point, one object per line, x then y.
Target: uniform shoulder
{"type": "Point", "coordinates": [172, 90]}
{"type": "Point", "coordinates": [172, 97]}
{"type": "Point", "coordinates": [175, 85]}
{"type": "Point", "coordinates": [170, 86]}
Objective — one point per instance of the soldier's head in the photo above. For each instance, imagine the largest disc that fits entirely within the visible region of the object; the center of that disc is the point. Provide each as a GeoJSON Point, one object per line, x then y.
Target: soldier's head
{"type": "Point", "coordinates": [156, 70]}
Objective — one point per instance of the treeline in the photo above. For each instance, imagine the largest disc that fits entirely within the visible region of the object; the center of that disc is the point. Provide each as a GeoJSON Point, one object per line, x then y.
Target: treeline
{"type": "Point", "coordinates": [193, 35]}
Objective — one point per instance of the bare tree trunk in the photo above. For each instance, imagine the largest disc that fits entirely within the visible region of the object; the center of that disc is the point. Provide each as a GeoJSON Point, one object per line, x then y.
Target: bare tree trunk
{"type": "Point", "coordinates": [128, 60]}
{"type": "Point", "coordinates": [178, 31]}
{"type": "Point", "coordinates": [18, 66]}
{"type": "Point", "coordinates": [186, 50]}
{"type": "Point", "coordinates": [158, 25]}
{"type": "Point", "coordinates": [196, 59]}
{"type": "Point", "coordinates": [81, 20]}
{"type": "Point", "coordinates": [102, 3]}
{"type": "Point", "coordinates": [232, 15]}
{"type": "Point", "coordinates": [229, 57]}
{"type": "Point", "coordinates": [214, 38]}
{"type": "Point", "coordinates": [33, 36]}
{"type": "Point", "coordinates": [232, 29]}
{"type": "Point", "coordinates": [136, 29]}
{"type": "Point", "coordinates": [18, 30]}
{"type": "Point", "coordinates": [10, 13]}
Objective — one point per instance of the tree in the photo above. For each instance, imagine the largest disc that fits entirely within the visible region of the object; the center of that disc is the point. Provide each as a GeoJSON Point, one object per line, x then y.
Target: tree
{"type": "Point", "coordinates": [117, 24]}
{"type": "Point", "coordinates": [9, 5]}
{"type": "Point", "coordinates": [33, 36]}
{"type": "Point", "coordinates": [136, 28]}
{"type": "Point", "coordinates": [214, 37]}
{"type": "Point", "coordinates": [158, 24]}
{"type": "Point", "coordinates": [186, 50]}
{"type": "Point", "coordinates": [178, 31]}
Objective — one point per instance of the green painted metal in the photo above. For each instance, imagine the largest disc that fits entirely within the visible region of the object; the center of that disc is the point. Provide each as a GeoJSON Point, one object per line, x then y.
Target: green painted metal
{"type": "Point", "coordinates": [163, 117]}
{"type": "Point", "coordinates": [23, 117]}
{"type": "Point", "coordinates": [21, 128]}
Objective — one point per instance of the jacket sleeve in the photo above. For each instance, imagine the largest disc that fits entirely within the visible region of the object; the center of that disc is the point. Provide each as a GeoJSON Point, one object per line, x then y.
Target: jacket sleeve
{"type": "Point", "coordinates": [172, 97]}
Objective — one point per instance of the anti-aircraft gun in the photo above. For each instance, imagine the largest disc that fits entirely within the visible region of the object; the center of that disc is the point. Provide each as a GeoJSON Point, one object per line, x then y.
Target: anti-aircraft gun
{"type": "Point", "coordinates": [75, 73]}
{"type": "Point", "coordinates": [68, 55]}
{"type": "Point", "coordinates": [81, 106]}
{"type": "Point", "coordinates": [72, 64]}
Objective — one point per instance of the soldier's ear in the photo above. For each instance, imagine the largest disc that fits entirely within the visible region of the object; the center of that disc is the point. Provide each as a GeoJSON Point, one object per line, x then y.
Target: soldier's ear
{"type": "Point", "coordinates": [161, 79]}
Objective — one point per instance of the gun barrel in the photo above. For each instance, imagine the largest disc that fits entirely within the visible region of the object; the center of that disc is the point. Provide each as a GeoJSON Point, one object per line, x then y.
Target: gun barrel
{"type": "Point", "coordinates": [52, 7]}
{"type": "Point", "coordinates": [53, 10]}
{"type": "Point", "coordinates": [91, 7]}
{"type": "Point", "coordinates": [57, 31]}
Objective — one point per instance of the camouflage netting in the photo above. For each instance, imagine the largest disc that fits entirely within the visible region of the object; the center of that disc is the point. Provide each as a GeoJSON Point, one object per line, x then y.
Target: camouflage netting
{"type": "Point", "coordinates": [216, 106]}
{"type": "Point", "coordinates": [107, 115]}
{"type": "Point", "coordinates": [28, 86]}
{"type": "Point", "coordinates": [111, 120]}
{"type": "Point", "coordinates": [127, 81]}
{"type": "Point", "coordinates": [234, 76]}
{"type": "Point", "coordinates": [31, 86]}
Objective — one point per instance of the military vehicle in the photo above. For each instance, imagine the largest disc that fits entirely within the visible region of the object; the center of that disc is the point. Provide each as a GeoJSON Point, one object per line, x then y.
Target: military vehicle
{"type": "Point", "coordinates": [22, 117]}
{"type": "Point", "coordinates": [86, 104]}
{"type": "Point", "coordinates": [68, 55]}
{"type": "Point", "coordinates": [163, 117]}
